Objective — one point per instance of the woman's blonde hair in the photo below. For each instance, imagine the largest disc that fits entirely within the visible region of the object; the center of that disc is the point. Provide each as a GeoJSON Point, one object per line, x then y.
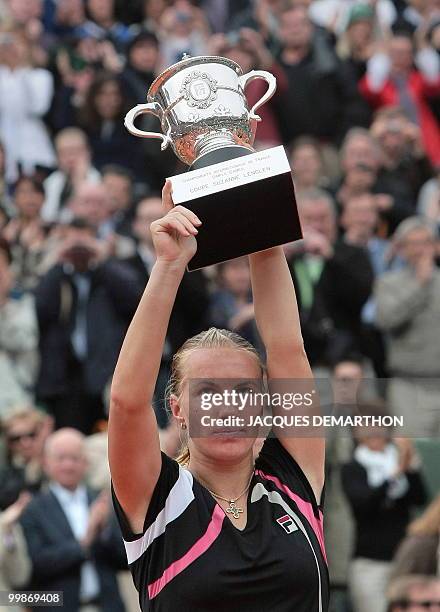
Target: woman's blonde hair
{"type": "Point", "coordinates": [211, 338]}
{"type": "Point", "coordinates": [429, 522]}
{"type": "Point", "coordinates": [23, 413]}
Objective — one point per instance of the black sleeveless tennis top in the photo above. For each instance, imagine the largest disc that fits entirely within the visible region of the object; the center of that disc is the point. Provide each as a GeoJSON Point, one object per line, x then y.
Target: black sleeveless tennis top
{"type": "Point", "coordinates": [191, 558]}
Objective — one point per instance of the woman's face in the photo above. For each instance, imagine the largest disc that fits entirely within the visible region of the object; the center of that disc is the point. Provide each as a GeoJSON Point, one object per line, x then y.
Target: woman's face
{"type": "Point", "coordinates": [435, 38]}
{"type": "Point", "coordinates": [218, 371]}
{"type": "Point", "coordinates": [70, 12]}
{"type": "Point", "coordinates": [144, 56]}
{"type": "Point", "coordinates": [15, 50]}
{"type": "Point", "coordinates": [101, 10]}
{"type": "Point", "coordinates": [236, 276]}
{"type": "Point", "coordinates": [25, 10]}
{"type": "Point", "coordinates": [401, 54]}
{"type": "Point", "coordinates": [153, 9]}
{"type": "Point", "coordinates": [374, 438]}
{"type": "Point", "coordinates": [242, 58]}
{"type": "Point", "coordinates": [21, 436]}
{"type": "Point", "coordinates": [28, 200]}
{"type": "Point", "coordinates": [108, 100]}
{"type": "Point", "coordinates": [88, 49]}
{"type": "Point", "coordinates": [359, 150]}
{"type": "Point", "coordinates": [306, 165]}
{"type": "Point", "coordinates": [360, 33]}
{"type": "Point", "coordinates": [418, 244]}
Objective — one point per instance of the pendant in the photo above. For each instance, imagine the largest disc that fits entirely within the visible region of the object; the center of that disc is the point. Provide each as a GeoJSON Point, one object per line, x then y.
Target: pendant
{"type": "Point", "coordinates": [234, 510]}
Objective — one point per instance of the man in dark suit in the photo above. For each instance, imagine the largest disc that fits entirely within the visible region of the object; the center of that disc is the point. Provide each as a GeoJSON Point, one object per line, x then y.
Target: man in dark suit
{"type": "Point", "coordinates": [333, 280]}
{"type": "Point", "coordinates": [190, 311]}
{"type": "Point", "coordinates": [73, 540]}
{"type": "Point", "coordinates": [84, 305]}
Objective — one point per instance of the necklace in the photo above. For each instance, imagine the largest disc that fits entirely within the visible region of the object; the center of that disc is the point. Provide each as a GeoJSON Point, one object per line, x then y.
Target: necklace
{"type": "Point", "coordinates": [233, 508]}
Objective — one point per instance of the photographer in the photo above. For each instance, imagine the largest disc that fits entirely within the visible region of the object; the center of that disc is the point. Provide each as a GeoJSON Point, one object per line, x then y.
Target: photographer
{"type": "Point", "coordinates": [404, 165]}
{"type": "Point", "coordinates": [361, 157]}
{"type": "Point", "coordinates": [84, 303]}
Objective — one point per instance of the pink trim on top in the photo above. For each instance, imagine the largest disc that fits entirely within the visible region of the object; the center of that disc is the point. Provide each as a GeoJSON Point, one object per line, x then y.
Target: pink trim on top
{"type": "Point", "coordinates": [201, 546]}
{"type": "Point", "coordinates": [304, 507]}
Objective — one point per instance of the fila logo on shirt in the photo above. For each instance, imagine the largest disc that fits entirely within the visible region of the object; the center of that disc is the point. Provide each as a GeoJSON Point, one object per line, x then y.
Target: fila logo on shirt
{"type": "Point", "coordinates": [287, 523]}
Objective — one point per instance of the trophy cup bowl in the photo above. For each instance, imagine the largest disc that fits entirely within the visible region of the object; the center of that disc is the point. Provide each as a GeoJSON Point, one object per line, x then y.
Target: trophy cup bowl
{"type": "Point", "coordinates": [202, 107]}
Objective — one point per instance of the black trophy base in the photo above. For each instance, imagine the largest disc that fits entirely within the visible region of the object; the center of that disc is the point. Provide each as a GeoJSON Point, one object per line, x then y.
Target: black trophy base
{"type": "Point", "coordinates": [244, 219]}
{"type": "Point", "coordinates": [219, 155]}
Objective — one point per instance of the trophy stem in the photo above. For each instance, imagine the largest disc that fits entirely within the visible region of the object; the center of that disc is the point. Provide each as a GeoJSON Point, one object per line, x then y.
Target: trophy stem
{"type": "Point", "coordinates": [216, 148]}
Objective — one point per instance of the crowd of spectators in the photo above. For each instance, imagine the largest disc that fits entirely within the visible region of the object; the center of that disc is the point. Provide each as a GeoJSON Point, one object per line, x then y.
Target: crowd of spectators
{"type": "Point", "coordinates": [357, 108]}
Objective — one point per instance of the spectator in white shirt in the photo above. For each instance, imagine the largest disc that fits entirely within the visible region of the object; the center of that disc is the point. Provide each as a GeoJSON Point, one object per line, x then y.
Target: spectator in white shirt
{"type": "Point", "coordinates": [25, 97]}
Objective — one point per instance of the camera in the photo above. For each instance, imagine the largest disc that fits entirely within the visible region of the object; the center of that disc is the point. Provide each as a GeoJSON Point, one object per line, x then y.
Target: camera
{"type": "Point", "coordinates": [80, 255]}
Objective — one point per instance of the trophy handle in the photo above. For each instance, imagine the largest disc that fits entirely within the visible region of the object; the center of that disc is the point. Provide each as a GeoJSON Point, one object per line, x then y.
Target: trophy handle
{"type": "Point", "coordinates": [140, 109]}
{"type": "Point", "coordinates": [272, 85]}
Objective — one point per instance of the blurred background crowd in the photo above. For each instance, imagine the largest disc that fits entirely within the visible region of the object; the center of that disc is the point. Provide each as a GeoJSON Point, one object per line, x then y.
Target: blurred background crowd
{"type": "Point", "coordinates": [357, 108]}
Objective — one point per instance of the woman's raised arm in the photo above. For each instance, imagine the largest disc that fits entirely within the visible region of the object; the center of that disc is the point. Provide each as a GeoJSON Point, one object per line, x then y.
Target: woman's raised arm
{"type": "Point", "coordinates": [134, 451]}
{"type": "Point", "coordinates": [276, 314]}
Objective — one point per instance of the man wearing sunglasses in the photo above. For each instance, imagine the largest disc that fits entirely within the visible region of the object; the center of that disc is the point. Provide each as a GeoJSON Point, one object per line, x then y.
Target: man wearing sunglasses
{"type": "Point", "coordinates": [415, 594]}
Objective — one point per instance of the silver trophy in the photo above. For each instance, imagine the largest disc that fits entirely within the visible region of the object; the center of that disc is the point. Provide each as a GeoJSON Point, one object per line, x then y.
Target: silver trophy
{"type": "Point", "coordinates": [202, 107]}
{"type": "Point", "coordinates": [237, 193]}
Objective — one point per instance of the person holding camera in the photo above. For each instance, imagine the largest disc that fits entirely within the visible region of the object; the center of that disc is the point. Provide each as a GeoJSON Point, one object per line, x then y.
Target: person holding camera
{"type": "Point", "coordinates": [404, 166]}
{"type": "Point", "coordinates": [363, 160]}
{"type": "Point", "coordinates": [84, 304]}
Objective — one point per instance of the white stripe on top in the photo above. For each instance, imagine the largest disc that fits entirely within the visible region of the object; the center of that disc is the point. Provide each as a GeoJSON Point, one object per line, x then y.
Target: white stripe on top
{"type": "Point", "coordinates": [179, 498]}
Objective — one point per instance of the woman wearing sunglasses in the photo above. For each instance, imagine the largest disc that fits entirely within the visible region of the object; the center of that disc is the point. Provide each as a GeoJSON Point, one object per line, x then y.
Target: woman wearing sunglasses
{"type": "Point", "coordinates": [25, 431]}
{"type": "Point", "coordinates": [415, 593]}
